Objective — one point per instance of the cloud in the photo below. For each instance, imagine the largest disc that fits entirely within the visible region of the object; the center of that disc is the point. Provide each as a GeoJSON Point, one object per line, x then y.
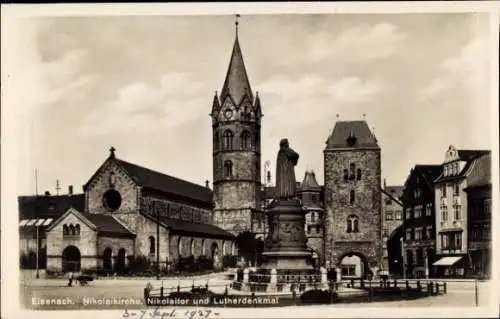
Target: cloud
{"type": "Point", "coordinates": [363, 43]}
{"type": "Point", "coordinates": [313, 98]}
{"type": "Point", "coordinates": [143, 107]}
{"type": "Point", "coordinates": [49, 83]}
{"type": "Point", "coordinates": [468, 71]}
{"type": "Point", "coordinates": [353, 90]}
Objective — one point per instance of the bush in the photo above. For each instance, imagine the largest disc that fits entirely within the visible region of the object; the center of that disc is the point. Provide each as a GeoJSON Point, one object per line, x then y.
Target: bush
{"type": "Point", "coordinates": [229, 261]}
{"type": "Point", "coordinates": [205, 263]}
{"type": "Point", "coordinates": [139, 264]}
{"type": "Point", "coordinates": [317, 297]}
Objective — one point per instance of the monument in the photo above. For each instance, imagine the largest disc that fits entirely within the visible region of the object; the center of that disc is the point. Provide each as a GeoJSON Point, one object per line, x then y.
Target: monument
{"type": "Point", "coordinates": [287, 263]}
{"type": "Point", "coordinates": [286, 245]}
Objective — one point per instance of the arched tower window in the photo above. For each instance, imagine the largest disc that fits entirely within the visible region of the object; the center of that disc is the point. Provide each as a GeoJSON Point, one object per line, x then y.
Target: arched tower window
{"type": "Point", "coordinates": [346, 174]}
{"type": "Point", "coordinates": [228, 169]}
{"type": "Point", "coordinates": [352, 224]}
{"type": "Point", "coordinates": [358, 174]}
{"type": "Point", "coordinates": [352, 197]}
{"type": "Point", "coordinates": [245, 140]}
{"type": "Point", "coordinates": [228, 139]}
{"type": "Point", "coordinates": [216, 140]}
{"type": "Point", "coordinates": [352, 169]}
{"type": "Point", "coordinates": [152, 246]}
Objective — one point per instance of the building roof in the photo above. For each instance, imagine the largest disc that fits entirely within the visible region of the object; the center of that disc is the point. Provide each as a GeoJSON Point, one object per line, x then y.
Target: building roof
{"type": "Point", "coordinates": [179, 226]}
{"type": "Point", "coordinates": [309, 183]}
{"type": "Point", "coordinates": [395, 191]}
{"type": "Point", "coordinates": [49, 206]}
{"type": "Point", "coordinates": [236, 84]}
{"type": "Point", "coordinates": [107, 224]}
{"type": "Point", "coordinates": [351, 134]}
{"type": "Point", "coordinates": [429, 172]}
{"type": "Point", "coordinates": [165, 183]}
{"type": "Point", "coordinates": [465, 155]}
{"type": "Point", "coordinates": [481, 172]}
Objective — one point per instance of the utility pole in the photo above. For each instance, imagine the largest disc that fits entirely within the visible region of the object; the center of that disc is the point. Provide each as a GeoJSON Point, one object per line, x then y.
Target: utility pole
{"type": "Point", "coordinates": [37, 248]}
{"type": "Point", "coordinates": [157, 240]}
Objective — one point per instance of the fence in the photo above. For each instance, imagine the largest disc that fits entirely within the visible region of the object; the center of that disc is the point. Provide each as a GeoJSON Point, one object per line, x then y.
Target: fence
{"type": "Point", "coordinates": [371, 290]}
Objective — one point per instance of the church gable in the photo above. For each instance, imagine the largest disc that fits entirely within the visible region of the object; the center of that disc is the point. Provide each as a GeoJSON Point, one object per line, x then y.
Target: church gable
{"type": "Point", "coordinates": [111, 189]}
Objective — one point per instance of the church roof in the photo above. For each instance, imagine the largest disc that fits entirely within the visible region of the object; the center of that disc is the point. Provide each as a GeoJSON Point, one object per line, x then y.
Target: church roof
{"type": "Point", "coordinates": [309, 183]}
{"type": "Point", "coordinates": [182, 227]}
{"type": "Point", "coordinates": [481, 172]}
{"type": "Point", "coordinates": [165, 183]}
{"type": "Point", "coordinates": [107, 225]}
{"type": "Point", "coordinates": [49, 206]}
{"type": "Point", "coordinates": [351, 135]}
{"type": "Point", "coordinates": [236, 84]}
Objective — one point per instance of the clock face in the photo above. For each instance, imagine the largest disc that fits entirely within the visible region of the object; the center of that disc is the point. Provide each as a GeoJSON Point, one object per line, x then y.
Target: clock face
{"type": "Point", "coordinates": [228, 113]}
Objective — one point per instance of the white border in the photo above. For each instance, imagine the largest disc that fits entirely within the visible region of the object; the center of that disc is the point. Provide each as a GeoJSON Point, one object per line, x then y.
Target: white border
{"type": "Point", "coordinates": [9, 15]}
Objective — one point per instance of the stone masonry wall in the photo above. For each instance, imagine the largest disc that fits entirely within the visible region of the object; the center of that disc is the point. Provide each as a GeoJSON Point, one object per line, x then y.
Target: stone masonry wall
{"type": "Point", "coordinates": [127, 188]}
{"type": "Point", "coordinates": [56, 243]}
{"type": "Point", "coordinates": [367, 205]}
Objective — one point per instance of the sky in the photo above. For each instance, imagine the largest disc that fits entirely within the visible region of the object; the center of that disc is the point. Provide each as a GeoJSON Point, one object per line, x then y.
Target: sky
{"type": "Point", "coordinates": [145, 86]}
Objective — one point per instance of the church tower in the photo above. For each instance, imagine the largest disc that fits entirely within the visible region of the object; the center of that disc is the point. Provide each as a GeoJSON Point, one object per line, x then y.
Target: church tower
{"type": "Point", "coordinates": [236, 122]}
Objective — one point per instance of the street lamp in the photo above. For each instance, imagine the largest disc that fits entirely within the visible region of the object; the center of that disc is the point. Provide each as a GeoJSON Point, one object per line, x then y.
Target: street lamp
{"type": "Point", "coordinates": [402, 257]}
{"type": "Point", "coordinates": [157, 241]}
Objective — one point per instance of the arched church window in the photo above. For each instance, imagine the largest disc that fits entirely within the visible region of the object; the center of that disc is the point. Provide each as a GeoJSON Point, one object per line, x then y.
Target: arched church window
{"type": "Point", "coordinates": [352, 168]}
{"type": "Point", "coordinates": [245, 140]}
{"type": "Point", "coordinates": [358, 174]}
{"type": "Point", "coordinates": [346, 174]}
{"type": "Point", "coordinates": [65, 230]}
{"type": "Point", "coordinates": [192, 247]}
{"type": "Point", "coordinates": [77, 230]}
{"type": "Point", "coordinates": [352, 224]}
{"type": "Point", "coordinates": [228, 169]}
{"type": "Point", "coordinates": [228, 139]}
{"type": "Point", "coordinates": [152, 247]}
{"type": "Point", "coordinates": [352, 197]}
{"type": "Point", "coordinates": [71, 230]}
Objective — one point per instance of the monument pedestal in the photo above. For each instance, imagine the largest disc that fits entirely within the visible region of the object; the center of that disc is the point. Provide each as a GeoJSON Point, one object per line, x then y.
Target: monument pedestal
{"type": "Point", "coordinates": [286, 246]}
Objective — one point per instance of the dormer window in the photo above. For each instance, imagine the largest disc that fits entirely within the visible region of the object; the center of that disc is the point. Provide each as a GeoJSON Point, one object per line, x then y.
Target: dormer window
{"type": "Point", "coordinates": [351, 140]}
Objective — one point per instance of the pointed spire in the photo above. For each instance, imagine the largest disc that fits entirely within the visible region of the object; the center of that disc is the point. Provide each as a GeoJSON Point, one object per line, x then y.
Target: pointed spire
{"type": "Point", "coordinates": [236, 84]}
{"type": "Point", "coordinates": [309, 183]}
{"type": "Point", "coordinates": [215, 105]}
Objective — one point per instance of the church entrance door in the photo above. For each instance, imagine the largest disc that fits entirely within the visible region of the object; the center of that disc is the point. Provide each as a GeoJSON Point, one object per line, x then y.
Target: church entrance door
{"type": "Point", "coordinates": [71, 259]}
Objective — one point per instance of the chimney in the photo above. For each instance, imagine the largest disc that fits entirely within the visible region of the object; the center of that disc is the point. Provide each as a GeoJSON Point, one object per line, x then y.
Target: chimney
{"type": "Point", "coordinates": [207, 183]}
{"type": "Point", "coordinates": [70, 190]}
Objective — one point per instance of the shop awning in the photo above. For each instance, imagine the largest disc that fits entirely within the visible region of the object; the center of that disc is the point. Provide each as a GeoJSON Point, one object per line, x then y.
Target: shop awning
{"type": "Point", "coordinates": [447, 261]}
{"type": "Point", "coordinates": [43, 222]}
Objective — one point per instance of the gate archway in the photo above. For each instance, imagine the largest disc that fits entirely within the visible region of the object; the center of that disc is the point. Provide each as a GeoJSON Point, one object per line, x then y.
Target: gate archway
{"type": "Point", "coordinates": [71, 259]}
{"type": "Point", "coordinates": [354, 265]}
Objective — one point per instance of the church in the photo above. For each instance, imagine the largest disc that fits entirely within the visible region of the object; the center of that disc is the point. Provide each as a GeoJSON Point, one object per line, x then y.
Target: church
{"type": "Point", "coordinates": [128, 210]}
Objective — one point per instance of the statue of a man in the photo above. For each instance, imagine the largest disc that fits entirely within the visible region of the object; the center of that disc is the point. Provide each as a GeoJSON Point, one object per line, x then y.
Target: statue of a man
{"type": "Point", "coordinates": [285, 171]}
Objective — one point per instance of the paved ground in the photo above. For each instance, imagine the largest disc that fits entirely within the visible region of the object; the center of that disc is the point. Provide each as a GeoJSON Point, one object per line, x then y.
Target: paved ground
{"type": "Point", "coordinates": [119, 291]}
